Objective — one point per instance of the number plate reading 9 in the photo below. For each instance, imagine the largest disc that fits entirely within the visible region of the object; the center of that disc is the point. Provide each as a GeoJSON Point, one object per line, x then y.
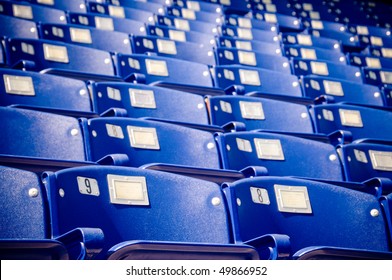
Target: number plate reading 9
{"type": "Point", "coordinates": [88, 186]}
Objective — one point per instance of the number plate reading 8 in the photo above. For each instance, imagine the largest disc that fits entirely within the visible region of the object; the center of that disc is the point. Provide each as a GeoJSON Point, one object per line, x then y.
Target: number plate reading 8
{"type": "Point", "coordinates": [259, 195]}
{"type": "Point", "coordinates": [88, 186]}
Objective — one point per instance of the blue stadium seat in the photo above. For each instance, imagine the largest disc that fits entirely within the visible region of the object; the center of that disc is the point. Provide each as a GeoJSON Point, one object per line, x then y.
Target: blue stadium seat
{"type": "Point", "coordinates": [280, 154]}
{"type": "Point", "coordinates": [363, 160]}
{"type": "Point", "coordinates": [326, 69]}
{"type": "Point", "coordinates": [256, 79]}
{"type": "Point", "coordinates": [155, 8]}
{"type": "Point", "coordinates": [152, 69]}
{"type": "Point", "coordinates": [78, 6]}
{"type": "Point", "coordinates": [231, 56]}
{"type": "Point", "coordinates": [250, 45]}
{"type": "Point", "coordinates": [193, 15]}
{"type": "Point", "coordinates": [286, 23]}
{"type": "Point", "coordinates": [273, 7]}
{"type": "Point", "coordinates": [298, 51]}
{"type": "Point", "coordinates": [362, 122]}
{"type": "Point", "coordinates": [180, 35]}
{"type": "Point", "coordinates": [198, 6]}
{"type": "Point", "coordinates": [381, 52]}
{"type": "Point", "coordinates": [106, 40]}
{"type": "Point", "coordinates": [175, 49]}
{"type": "Point", "coordinates": [51, 93]}
{"type": "Point", "coordinates": [120, 12]}
{"type": "Point", "coordinates": [16, 27]}
{"type": "Point", "coordinates": [68, 59]}
{"type": "Point", "coordinates": [362, 60]}
{"type": "Point", "coordinates": [348, 41]}
{"type": "Point", "coordinates": [142, 101]}
{"type": "Point", "coordinates": [145, 200]}
{"type": "Point", "coordinates": [367, 30]}
{"type": "Point", "coordinates": [26, 226]}
{"type": "Point", "coordinates": [55, 141]}
{"type": "Point", "coordinates": [248, 34]}
{"type": "Point", "coordinates": [378, 77]}
{"type": "Point", "coordinates": [246, 22]}
{"type": "Point", "coordinates": [185, 24]}
{"type": "Point", "coordinates": [335, 90]}
{"type": "Point", "coordinates": [286, 203]}
{"type": "Point", "coordinates": [32, 12]}
{"type": "Point", "coordinates": [310, 41]}
{"type": "Point", "coordinates": [325, 25]}
{"type": "Point", "coordinates": [260, 113]}
{"type": "Point", "coordinates": [106, 22]}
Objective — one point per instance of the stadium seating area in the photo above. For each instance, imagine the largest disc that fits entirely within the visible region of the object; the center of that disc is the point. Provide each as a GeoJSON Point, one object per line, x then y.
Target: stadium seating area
{"type": "Point", "coordinates": [195, 129]}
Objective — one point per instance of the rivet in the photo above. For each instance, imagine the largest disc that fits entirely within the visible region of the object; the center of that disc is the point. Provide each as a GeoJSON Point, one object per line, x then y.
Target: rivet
{"type": "Point", "coordinates": [210, 145]}
{"type": "Point", "coordinates": [82, 92]}
{"type": "Point", "coordinates": [200, 106]}
{"type": "Point", "coordinates": [332, 157]}
{"type": "Point", "coordinates": [374, 213]}
{"type": "Point", "coordinates": [228, 147]}
{"type": "Point", "coordinates": [238, 202]}
{"type": "Point", "coordinates": [33, 192]}
{"type": "Point", "coordinates": [74, 132]}
{"type": "Point", "coordinates": [61, 193]}
{"type": "Point", "coordinates": [304, 115]}
{"type": "Point", "coordinates": [216, 201]}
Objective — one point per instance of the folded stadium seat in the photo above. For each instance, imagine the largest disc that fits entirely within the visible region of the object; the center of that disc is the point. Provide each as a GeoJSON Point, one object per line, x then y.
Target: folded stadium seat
{"type": "Point", "coordinates": [378, 77]}
{"type": "Point", "coordinates": [189, 14]}
{"type": "Point", "coordinates": [362, 60]}
{"type": "Point", "coordinates": [281, 7]}
{"type": "Point", "coordinates": [332, 90]}
{"type": "Point", "coordinates": [157, 69]}
{"type": "Point", "coordinates": [246, 22]}
{"type": "Point", "coordinates": [348, 41]}
{"type": "Point", "coordinates": [298, 51]}
{"type": "Point", "coordinates": [303, 67]}
{"type": "Point", "coordinates": [232, 56]}
{"type": "Point", "coordinates": [248, 33]}
{"type": "Point", "coordinates": [310, 41]}
{"type": "Point", "coordinates": [26, 227]}
{"type": "Point", "coordinates": [160, 217]}
{"type": "Point", "coordinates": [286, 23]}
{"type": "Point", "coordinates": [376, 41]}
{"type": "Point", "coordinates": [24, 89]}
{"type": "Point", "coordinates": [142, 101]}
{"type": "Point", "coordinates": [302, 209]}
{"type": "Point", "coordinates": [180, 35]}
{"type": "Point", "coordinates": [156, 8]}
{"type": "Point", "coordinates": [78, 6]}
{"type": "Point", "coordinates": [111, 41]}
{"type": "Point", "coordinates": [368, 30]}
{"type": "Point", "coordinates": [55, 141]}
{"type": "Point", "coordinates": [165, 47]}
{"type": "Point", "coordinates": [366, 159]}
{"type": "Point", "coordinates": [260, 113]}
{"type": "Point", "coordinates": [280, 154]}
{"type": "Point", "coordinates": [324, 25]}
{"type": "Point", "coordinates": [386, 203]}
{"type": "Point", "coordinates": [236, 79]}
{"type": "Point", "coordinates": [185, 24]}
{"type": "Point", "coordinates": [106, 22]}
{"type": "Point", "coordinates": [120, 12]}
{"type": "Point", "coordinates": [61, 58]}
{"type": "Point", "coordinates": [16, 27]}
{"type": "Point", "coordinates": [250, 45]}
{"type": "Point", "coordinates": [379, 51]}
{"type": "Point", "coordinates": [32, 12]}
{"type": "Point", "coordinates": [197, 5]}
{"type": "Point", "coordinates": [361, 122]}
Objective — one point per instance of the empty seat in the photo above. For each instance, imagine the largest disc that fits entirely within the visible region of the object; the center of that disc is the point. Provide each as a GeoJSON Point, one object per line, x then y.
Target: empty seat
{"type": "Point", "coordinates": [142, 101]}
{"type": "Point", "coordinates": [305, 67]}
{"type": "Point", "coordinates": [367, 30]}
{"type": "Point", "coordinates": [286, 23]}
{"type": "Point", "coordinates": [144, 6]}
{"type": "Point", "coordinates": [348, 41]}
{"type": "Point", "coordinates": [256, 79]}
{"type": "Point", "coordinates": [152, 69]}
{"type": "Point", "coordinates": [192, 14]}
{"type": "Point", "coordinates": [15, 27]}
{"type": "Point", "coordinates": [49, 56]}
{"type": "Point", "coordinates": [185, 24]}
{"type": "Point", "coordinates": [198, 6]}
{"type": "Point", "coordinates": [120, 12]}
{"type": "Point", "coordinates": [363, 160]}
{"type": "Point", "coordinates": [260, 113]}
{"type": "Point", "coordinates": [378, 77]}
{"type": "Point", "coordinates": [72, 6]}
{"type": "Point", "coordinates": [32, 12]}
{"type": "Point", "coordinates": [337, 90]}
{"type": "Point", "coordinates": [380, 51]}
{"type": "Point", "coordinates": [26, 231]}
{"type": "Point", "coordinates": [175, 49]}
{"type": "Point", "coordinates": [245, 22]}
{"type": "Point", "coordinates": [231, 56]}
{"type": "Point", "coordinates": [310, 41]}
{"type": "Point", "coordinates": [280, 154]}
{"type": "Point", "coordinates": [44, 92]}
{"type": "Point", "coordinates": [105, 22]}
{"type": "Point", "coordinates": [362, 122]}
{"type": "Point", "coordinates": [298, 51]}
{"type": "Point", "coordinates": [250, 45]}
{"type": "Point", "coordinates": [156, 208]}
{"type": "Point", "coordinates": [106, 40]}
{"type": "Point", "coordinates": [325, 25]}
{"type": "Point", "coordinates": [301, 209]}
{"type": "Point", "coordinates": [248, 34]}
{"type": "Point", "coordinates": [362, 60]}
